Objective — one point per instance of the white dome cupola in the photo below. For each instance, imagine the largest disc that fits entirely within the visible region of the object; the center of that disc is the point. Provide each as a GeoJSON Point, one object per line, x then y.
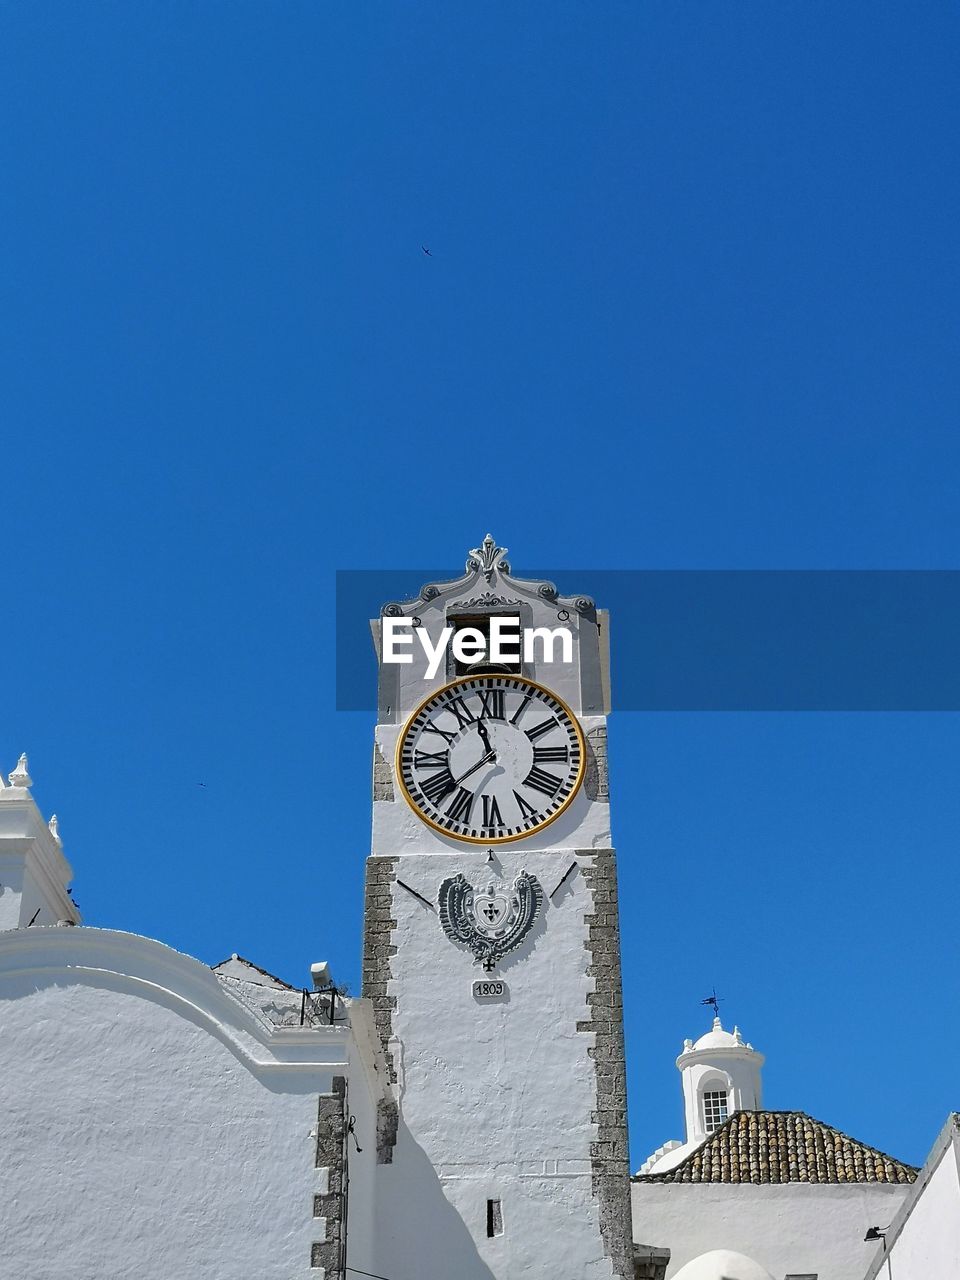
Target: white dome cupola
{"type": "Point", "coordinates": [720, 1075]}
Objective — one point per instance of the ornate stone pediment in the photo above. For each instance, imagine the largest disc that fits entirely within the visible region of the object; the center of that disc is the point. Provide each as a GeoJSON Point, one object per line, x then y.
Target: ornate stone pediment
{"type": "Point", "coordinates": [487, 583]}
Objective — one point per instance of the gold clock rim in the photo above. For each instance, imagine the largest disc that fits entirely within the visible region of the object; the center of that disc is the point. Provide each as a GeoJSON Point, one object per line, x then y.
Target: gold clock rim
{"type": "Point", "coordinates": [488, 840]}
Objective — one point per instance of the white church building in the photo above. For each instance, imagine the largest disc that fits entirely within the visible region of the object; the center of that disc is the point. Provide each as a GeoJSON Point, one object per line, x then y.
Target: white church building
{"type": "Point", "coordinates": [465, 1118]}
{"type": "Point", "coordinates": [784, 1193]}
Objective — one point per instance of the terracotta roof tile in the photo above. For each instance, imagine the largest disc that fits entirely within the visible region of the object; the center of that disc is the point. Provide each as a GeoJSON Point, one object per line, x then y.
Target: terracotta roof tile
{"type": "Point", "coordinates": [783, 1146]}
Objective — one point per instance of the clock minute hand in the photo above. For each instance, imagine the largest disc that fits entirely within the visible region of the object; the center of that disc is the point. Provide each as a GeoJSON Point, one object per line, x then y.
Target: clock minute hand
{"type": "Point", "coordinates": [491, 755]}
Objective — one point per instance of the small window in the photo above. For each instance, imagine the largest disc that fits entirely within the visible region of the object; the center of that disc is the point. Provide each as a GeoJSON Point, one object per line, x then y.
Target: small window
{"type": "Point", "coordinates": [494, 1219]}
{"type": "Point", "coordinates": [714, 1109]}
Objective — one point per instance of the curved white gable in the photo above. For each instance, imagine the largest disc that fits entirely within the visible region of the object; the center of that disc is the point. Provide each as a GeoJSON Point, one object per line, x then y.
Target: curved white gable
{"type": "Point", "coordinates": [154, 1126]}
{"type": "Point", "coordinates": [39, 958]}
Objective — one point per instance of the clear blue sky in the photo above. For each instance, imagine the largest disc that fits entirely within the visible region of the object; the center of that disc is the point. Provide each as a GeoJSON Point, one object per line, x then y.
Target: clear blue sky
{"type": "Point", "coordinates": [692, 303]}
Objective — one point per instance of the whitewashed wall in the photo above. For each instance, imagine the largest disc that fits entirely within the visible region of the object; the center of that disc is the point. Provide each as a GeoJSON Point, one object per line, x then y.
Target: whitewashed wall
{"type": "Point", "coordinates": [796, 1228]}
{"type": "Point", "coordinates": [923, 1241]}
{"type": "Point", "coordinates": [500, 1096]}
{"type": "Point", "coordinates": [152, 1128]}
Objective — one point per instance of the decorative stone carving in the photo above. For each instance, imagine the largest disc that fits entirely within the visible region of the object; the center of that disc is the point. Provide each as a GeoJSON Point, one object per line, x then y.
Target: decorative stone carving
{"type": "Point", "coordinates": [486, 601]}
{"type": "Point", "coordinates": [493, 921]}
{"type": "Point", "coordinates": [488, 558]}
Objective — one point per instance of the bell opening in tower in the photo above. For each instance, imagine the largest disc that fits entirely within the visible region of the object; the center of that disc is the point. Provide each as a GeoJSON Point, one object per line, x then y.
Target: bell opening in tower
{"type": "Point", "coordinates": [480, 664]}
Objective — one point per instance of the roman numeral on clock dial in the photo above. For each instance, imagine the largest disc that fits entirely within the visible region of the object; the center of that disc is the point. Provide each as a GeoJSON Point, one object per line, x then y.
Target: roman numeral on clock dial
{"type": "Point", "coordinates": [540, 780]}
{"type": "Point", "coordinates": [540, 729]}
{"type": "Point", "coordinates": [492, 703]}
{"type": "Point", "coordinates": [459, 807]}
{"type": "Point", "coordinates": [432, 759]}
{"type": "Point", "coordinates": [492, 817]}
{"type": "Point", "coordinates": [527, 811]}
{"type": "Point", "coordinates": [447, 736]}
{"type": "Point", "coordinates": [541, 754]}
{"type": "Point", "coordinates": [515, 718]}
{"type": "Point", "coordinates": [460, 709]}
{"type": "Point", "coordinates": [438, 785]}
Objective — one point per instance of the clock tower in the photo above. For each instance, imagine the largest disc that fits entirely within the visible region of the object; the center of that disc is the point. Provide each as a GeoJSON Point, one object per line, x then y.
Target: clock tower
{"type": "Point", "coordinates": [491, 948]}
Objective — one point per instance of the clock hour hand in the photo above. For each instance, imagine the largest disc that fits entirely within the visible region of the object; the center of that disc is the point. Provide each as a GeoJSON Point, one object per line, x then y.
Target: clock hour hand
{"type": "Point", "coordinates": [490, 756]}
{"type": "Point", "coordinates": [484, 733]}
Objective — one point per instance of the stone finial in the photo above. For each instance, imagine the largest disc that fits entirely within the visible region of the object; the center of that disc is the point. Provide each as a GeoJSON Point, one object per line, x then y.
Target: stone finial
{"type": "Point", "coordinates": [737, 1036]}
{"type": "Point", "coordinates": [55, 829]}
{"type": "Point", "coordinates": [21, 776]}
{"type": "Point", "coordinates": [487, 558]}
{"type": "Point", "coordinates": [687, 1045]}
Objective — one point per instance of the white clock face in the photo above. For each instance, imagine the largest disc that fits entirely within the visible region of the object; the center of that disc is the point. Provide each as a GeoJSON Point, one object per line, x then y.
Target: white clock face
{"type": "Point", "coordinates": [490, 758]}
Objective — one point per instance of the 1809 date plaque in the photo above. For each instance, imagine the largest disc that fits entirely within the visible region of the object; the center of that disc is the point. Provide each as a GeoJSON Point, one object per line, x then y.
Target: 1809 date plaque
{"type": "Point", "coordinates": [489, 989]}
